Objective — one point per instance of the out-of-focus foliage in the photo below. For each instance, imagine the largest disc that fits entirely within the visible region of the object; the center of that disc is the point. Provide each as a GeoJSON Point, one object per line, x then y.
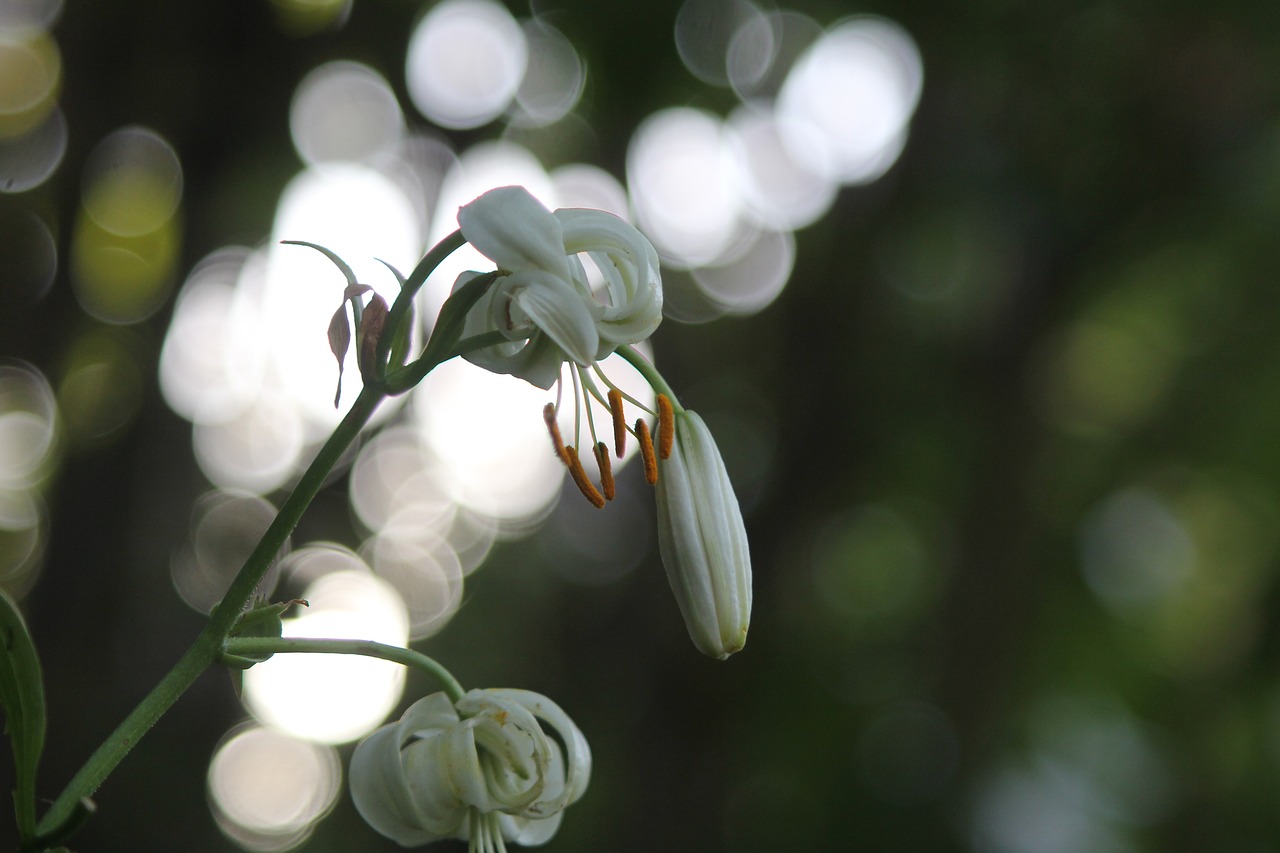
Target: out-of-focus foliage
{"type": "Point", "coordinates": [1006, 443]}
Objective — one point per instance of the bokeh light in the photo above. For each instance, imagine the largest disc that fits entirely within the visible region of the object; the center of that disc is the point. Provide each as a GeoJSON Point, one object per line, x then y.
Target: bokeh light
{"type": "Point", "coordinates": [30, 78]}
{"type": "Point", "coordinates": [332, 698]}
{"type": "Point", "coordinates": [1134, 550]}
{"type": "Point", "coordinates": [553, 80]}
{"type": "Point", "coordinates": [684, 187]}
{"type": "Point", "coordinates": [1093, 774]}
{"type": "Point", "coordinates": [465, 62]}
{"type": "Point", "coordinates": [778, 189]}
{"type": "Point", "coordinates": [705, 31]}
{"type": "Point", "coordinates": [212, 360]}
{"type": "Point", "coordinates": [875, 570]}
{"type": "Point", "coordinates": [267, 790]}
{"type": "Point", "coordinates": [344, 111]}
{"type": "Point", "coordinates": [125, 244]}
{"type": "Point", "coordinates": [308, 17]}
{"type": "Point", "coordinates": [847, 101]}
{"type": "Point", "coordinates": [224, 529]}
{"type": "Point", "coordinates": [584, 185]}
{"type": "Point", "coordinates": [29, 257]}
{"type": "Point", "coordinates": [30, 430]}
{"type": "Point", "coordinates": [764, 49]}
{"type": "Point", "coordinates": [753, 276]}
{"type": "Point", "coordinates": [102, 385]}
{"type": "Point", "coordinates": [29, 159]}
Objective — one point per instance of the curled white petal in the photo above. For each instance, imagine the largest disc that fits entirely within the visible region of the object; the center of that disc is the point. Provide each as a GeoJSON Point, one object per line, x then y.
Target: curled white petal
{"type": "Point", "coordinates": [554, 306]}
{"type": "Point", "coordinates": [543, 291]}
{"type": "Point", "coordinates": [511, 228]}
{"type": "Point", "coordinates": [505, 761]}
{"type": "Point", "coordinates": [629, 264]}
{"type": "Point", "coordinates": [381, 786]}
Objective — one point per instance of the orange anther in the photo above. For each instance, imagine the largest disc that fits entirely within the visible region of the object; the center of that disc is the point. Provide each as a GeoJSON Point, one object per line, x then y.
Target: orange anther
{"type": "Point", "coordinates": [666, 427]}
{"type": "Point", "coordinates": [619, 425]}
{"type": "Point", "coordinates": [606, 470]}
{"type": "Point", "coordinates": [549, 415]}
{"type": "Point", "coordinates": [646, 452]}
{"type": "Point", "coordinates": [588, 489]}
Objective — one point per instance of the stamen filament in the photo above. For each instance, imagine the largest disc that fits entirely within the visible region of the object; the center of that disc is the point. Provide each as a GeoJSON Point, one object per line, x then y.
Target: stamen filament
{"type": "Point", "coordinates": [580, 479]}
{"type": "Point", "coordinates": [666, 426]}
{"type": "Point", "coordinates": [577, 408]}
{"type": "Point", "coordinates": [625, 396]}
{"type": "Point", "coordinates": [619, 425]}
{"type": "Point", "coordinates": [606, 471]}
{"type": "Point", "coordinates": [591, 421]}
{"type": "Point", "coordinates": [646, 452]}
{"type": "Point", "coordinates": [553, 427]}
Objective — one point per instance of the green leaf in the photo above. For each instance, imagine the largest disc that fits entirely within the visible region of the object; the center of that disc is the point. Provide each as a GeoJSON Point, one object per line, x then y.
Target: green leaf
{"type": "Point", "coordinates": [453, 315]}
{"type": "Point", "coordinates": [399, 275]}
{"type": "Point", "coordinates": [22, 695]}
{"type": "Point", "coordinates": [404, 331]}
{"type": "Point", "coordinates": [81, 811]}
{"type": "Point", "coordinates": [337, 261]}
{"type": "Point", "coordinates": [261, 620]}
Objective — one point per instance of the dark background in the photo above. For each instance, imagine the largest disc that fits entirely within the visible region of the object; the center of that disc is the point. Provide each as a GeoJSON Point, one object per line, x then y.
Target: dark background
{"type": "Point", "coordinates": [921, 619]}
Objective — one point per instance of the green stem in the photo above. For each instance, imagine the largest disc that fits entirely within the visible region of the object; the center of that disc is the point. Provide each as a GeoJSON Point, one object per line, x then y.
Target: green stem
{"type": "Point", "coordinates": [650, 373]}
{"type": "Point", "coordinates": [262, 646]}
{"type": "Point", "coordinates": [414, 372]}
{"type": "Point", "coordinates": [410, 288]}
{"type": "Point", "coordinates": [208, 645]}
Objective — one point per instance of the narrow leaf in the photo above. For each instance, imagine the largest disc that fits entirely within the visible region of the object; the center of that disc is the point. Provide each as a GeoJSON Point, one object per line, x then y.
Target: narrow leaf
{"type": "Point", "coordinates": [337, 261]}
{"type": "Point", "coordinates": [399, 351]}
{"type": "Point", "coordinates": [22, 695]}
{"type": "Point", "coordinates": [453, 314]}
{"type": "Point", "coordinates": [395, 272]}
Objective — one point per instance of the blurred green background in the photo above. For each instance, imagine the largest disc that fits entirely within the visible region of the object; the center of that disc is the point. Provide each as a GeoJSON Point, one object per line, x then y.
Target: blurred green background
{"type": "Point", "coordinates": [1006, 441]}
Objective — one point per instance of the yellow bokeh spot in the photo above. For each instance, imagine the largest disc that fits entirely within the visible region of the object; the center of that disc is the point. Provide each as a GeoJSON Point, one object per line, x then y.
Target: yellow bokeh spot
{"type": "Point", "coordinates": [133, 201]}
{"type": "Point", "coordinates": [308, 17]}
{"type": "Point", "coordinates": [121, 279]}
{"type": "Point", "coordinates": [30, 78]}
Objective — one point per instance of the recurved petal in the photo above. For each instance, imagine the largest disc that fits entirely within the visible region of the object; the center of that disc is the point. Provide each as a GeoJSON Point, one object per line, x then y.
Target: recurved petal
{"type": "Point", "coordinates": [466, 776]}
{"type": "Point", "coordinates": [558, 310]}
{"type": "Point", "coordinates": [577, 754]}
{"type": "Point", "coordinates": [512, 228]}
{"type": "Point", "coordinates": [529, 832]}
{"type": "Point", "coordinates": [536, 361]}
{"type": "Point", "coordinates": [431, 784]}
{"type": "Point", "coordinates": [587, 230]}
{"type": "Point", "coordinates": [381, 792]}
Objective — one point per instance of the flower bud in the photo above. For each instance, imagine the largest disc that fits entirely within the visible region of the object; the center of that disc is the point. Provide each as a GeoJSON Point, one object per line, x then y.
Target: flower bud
{"type": "Point", "coordinates": [500, 765]}
{"type": "Point", "coordinates": [703, 541]}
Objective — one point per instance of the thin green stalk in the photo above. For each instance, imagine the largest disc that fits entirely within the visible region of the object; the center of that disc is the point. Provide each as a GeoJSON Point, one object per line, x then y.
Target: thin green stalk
{"type": "Point", "coordinates": [208, 645]}
{"type": "Point", "coordinates": [649, 372]}
{"type": "Point", "coordinates": [412, 285]}
{"type": "Point", "coordinates": [262, 646]}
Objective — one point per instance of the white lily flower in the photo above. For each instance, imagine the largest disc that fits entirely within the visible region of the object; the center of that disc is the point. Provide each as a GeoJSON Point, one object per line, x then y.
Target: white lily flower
{"type": "Point", "coordinates": [499, 766]}
{"type": "Point", "coordinates": [542, 301]}
{"type": "Point", "coordinates": [703, 541]}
